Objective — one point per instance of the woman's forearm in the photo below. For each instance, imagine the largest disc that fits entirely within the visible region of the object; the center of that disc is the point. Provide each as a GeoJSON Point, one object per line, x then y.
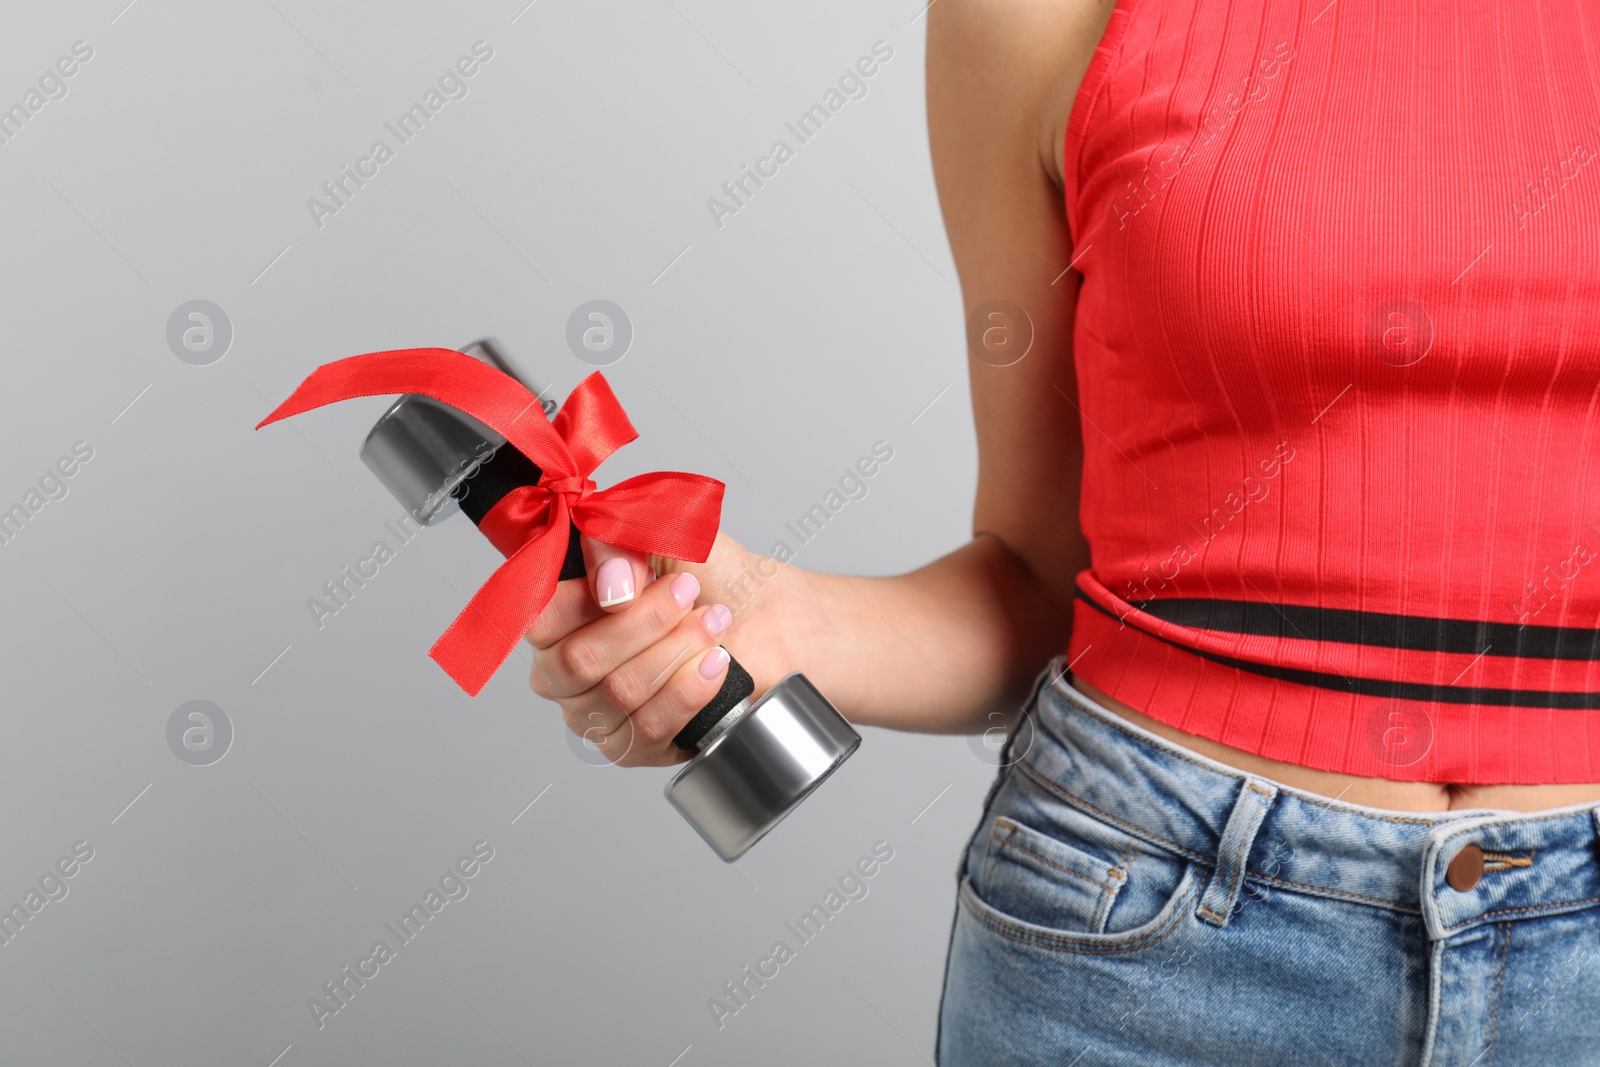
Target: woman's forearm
{"type": "Point", "coordinates": [936, 649]}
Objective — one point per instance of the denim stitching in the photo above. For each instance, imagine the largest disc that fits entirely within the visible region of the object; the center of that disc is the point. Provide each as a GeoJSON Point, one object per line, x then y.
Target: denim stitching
{"type": "Point", "coordinates": [1059, 944]}
{"type": "Point", "coordinates": [1245, 840]}
{"type": "Point", "coordinates": [1240, 862]}
{"type": "Point", "coordinates": [1520, 911]}
{"type": "Point", "coordinates": [1008, 841]}
{"type": "Point", "coordinates": [1241, 859]}
{"type": "Point", "coordinates": [1476, 826]}
{"type": "Point", "coordinates": [1499, 988]}
{"type": "Point", "coordinates": [1121, 871]}
{"type": "Point", "coordinates": [1343, 894]}
{"type": "Point", "coordinates": [989, 854]}
{"type": "Point", "coordinates": [1304, 799]}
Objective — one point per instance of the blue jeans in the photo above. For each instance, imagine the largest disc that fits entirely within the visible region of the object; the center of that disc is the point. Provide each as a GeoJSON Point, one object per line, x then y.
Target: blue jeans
{"type": "Point", "coordinates": [1127, 901]}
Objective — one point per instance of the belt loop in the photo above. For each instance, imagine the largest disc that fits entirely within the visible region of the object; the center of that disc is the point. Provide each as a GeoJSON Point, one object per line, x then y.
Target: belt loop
{"type": "Point", "coordinates": [1233, 851]}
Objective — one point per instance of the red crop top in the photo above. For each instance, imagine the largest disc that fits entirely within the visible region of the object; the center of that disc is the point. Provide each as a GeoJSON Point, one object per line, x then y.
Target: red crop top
{"type": "Point", "coordinates": [1338, 357]}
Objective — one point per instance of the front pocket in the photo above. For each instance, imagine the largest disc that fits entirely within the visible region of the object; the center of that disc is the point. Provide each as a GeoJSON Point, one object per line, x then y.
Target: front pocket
{"type": "Point", "coordinates": [1156, 930]}
{"type": "Point", "coordinates": [1029, 874]}
{"type": "Point", "coordinates": [1052, 874]}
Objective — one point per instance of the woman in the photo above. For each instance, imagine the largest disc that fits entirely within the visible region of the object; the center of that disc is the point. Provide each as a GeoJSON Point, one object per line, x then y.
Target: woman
{"type": "Point", "coordinates": [1312, 775]}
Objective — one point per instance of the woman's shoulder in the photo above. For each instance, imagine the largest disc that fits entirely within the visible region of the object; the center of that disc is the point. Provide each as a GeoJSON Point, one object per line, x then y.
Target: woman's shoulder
{"type": "Point", "coordinates": [1015, 61]}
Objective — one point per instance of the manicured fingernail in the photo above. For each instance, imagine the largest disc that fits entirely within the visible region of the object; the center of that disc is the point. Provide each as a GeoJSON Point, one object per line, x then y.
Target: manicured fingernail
{"type": "Point", "coordinates": [685, 587]}
{"type": "Point", "coordinates": [614, 582]}
{"type": "Point", "coordinates": [714, 663]}
{"type": "Point", "coordinates": [718, 618]}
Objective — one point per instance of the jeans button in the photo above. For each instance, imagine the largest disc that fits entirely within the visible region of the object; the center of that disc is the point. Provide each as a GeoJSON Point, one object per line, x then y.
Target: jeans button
{"type": "Point", "coordinates": [1466, 869]}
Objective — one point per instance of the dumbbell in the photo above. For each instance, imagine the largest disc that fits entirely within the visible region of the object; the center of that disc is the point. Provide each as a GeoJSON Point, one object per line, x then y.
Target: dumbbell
{"type": "Point", "coordinates": [753, 762]}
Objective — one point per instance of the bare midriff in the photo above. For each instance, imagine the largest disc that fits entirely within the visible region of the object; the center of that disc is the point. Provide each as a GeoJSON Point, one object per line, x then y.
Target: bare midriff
{"type": "Point", "coordinates": [1371, 792]}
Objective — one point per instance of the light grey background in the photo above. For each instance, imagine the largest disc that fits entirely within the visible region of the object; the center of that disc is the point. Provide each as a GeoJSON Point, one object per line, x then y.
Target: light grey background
{"type": "Point", "coordinates": [770, 352]}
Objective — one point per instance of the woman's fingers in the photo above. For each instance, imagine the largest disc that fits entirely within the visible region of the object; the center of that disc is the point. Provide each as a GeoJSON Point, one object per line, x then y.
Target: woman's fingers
{"type": "Point", "coordinates": [631, 660]}
{"type": "Point", "coordinates": [645, 739]}
{"type": "Point", "coordinates": [626, 689]}
{"type": "Point", "coordinates": [580, 660]}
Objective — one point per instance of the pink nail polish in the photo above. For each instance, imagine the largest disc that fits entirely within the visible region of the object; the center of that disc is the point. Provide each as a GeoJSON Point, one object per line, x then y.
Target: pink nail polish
{"type": "Point", "coordinates": [714, 663]}
{"type": "Point", "coordinates": [613, 582]}
{"type": "Point", "coordinates": [685, 587]}
{"type": "Point", "coordinates": [717, 619]}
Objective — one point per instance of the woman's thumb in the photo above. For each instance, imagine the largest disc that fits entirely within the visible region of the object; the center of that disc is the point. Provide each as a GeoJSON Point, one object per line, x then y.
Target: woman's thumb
{"type": "Point", "coordinates": [616, 575]}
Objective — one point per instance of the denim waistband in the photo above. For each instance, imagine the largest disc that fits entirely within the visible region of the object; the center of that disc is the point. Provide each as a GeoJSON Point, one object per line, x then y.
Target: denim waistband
{"type": "Point", "coordinates": [1252, 829]}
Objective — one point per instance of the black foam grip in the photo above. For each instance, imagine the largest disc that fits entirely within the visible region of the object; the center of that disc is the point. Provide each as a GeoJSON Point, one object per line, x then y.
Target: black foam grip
{"type": "Point", "coordinates": [736, 686]}
{"type": "Point", "coordinates": [507, 469]}
{"type": "Point", "coordinates": [572, 566]}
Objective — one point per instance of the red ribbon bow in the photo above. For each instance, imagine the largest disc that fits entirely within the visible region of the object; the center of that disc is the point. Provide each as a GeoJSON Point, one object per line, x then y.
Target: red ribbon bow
{"type": "Point", "coordinates": [667, 513]}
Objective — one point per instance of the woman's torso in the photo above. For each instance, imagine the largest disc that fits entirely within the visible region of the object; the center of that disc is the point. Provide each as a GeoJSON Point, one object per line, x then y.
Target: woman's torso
{"type": "Point", "coordinates": [1372, 792]}
{"type": "Point", "coordinates": [1338, 354]}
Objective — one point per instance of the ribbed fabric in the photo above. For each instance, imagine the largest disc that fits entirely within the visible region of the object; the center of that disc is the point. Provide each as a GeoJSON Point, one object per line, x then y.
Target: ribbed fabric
{"type": "Point", "coordinates": [1338, 358]}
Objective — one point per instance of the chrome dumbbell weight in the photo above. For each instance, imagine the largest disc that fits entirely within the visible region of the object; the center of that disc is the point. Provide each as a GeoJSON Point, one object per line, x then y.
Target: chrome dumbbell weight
{"type": "Point", "coordinates": [754, 761]}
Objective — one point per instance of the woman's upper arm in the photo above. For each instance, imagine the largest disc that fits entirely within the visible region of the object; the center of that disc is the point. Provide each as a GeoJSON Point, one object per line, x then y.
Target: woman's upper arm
{"type": "Point", "coordinates": [1001, 78]}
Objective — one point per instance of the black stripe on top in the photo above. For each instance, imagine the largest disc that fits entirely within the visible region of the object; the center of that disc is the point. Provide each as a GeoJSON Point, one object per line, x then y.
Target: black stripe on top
{"type": "Point", "coordinates": [1378, 629]}
{"type": "Point", "coordinates": [1378, 687]}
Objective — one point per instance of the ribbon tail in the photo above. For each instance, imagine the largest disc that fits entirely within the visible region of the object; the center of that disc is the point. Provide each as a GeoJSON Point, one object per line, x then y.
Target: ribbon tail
{"type": "Point", "coordinates": [486, 632]}
{"type": "Point", "coordinates": [493, 398]}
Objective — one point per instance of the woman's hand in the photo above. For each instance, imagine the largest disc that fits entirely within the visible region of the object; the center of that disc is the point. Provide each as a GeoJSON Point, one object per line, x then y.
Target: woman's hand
{"type": "Point", "coordinates": [632, 657]}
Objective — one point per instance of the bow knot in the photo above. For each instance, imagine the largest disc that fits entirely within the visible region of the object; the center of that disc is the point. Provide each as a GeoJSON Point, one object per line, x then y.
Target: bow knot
{"type": "Point", "coordinates": [665, 513]}
{"type": "Point", "coordinates": [573, 489]}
